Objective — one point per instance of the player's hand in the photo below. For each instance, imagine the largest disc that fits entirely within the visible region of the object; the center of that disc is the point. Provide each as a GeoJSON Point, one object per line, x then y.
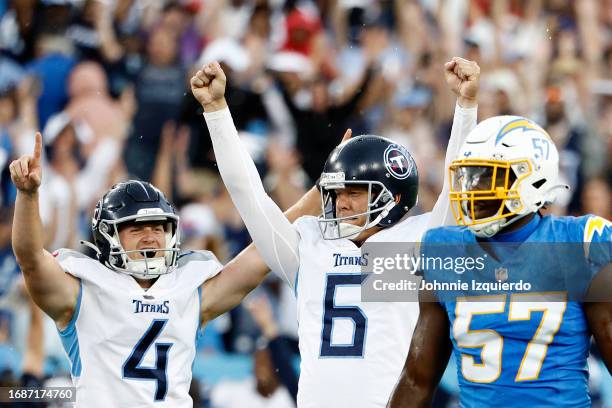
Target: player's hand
{"type": "Point", "coordinates": [208, 87]}
{"type": "Point", "coordinates": [347, 135]}
{"type": "Point", "coordinates": [26, 172]}
{"type": "Point", "coordinates": [463, 78]}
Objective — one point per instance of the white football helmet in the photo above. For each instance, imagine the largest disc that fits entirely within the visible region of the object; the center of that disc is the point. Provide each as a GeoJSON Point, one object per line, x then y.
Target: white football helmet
{"type": "Point", "coordinates": [507, 168]}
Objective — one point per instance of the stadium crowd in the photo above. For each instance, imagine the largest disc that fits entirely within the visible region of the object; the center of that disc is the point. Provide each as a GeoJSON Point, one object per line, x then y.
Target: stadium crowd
{"type": "Point", "coordinates": [107, 83]}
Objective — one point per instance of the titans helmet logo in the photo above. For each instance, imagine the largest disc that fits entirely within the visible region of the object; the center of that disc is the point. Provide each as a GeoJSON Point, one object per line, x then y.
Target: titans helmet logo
{"type": "Point", "coordinates": [396, 162]}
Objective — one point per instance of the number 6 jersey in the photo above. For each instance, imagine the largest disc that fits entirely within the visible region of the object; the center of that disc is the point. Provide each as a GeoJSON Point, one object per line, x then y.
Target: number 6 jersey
{"type": "Point", "coordinates": [131, 347]}
{"type": "Point", "coordinates": [352, 351]}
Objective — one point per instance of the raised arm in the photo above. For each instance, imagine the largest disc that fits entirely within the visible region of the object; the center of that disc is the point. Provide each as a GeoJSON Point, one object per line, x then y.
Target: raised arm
{"type": "Point", "coordinates": [462, 77]}
{"type": "Point", "coordinates": [274, 236]}
{"type": "Point", "coordinates": [247, 270]}
{"type": "Point", "coordinates": [427, 359]}
{"type": "Point", "coordinates": [53, 290]}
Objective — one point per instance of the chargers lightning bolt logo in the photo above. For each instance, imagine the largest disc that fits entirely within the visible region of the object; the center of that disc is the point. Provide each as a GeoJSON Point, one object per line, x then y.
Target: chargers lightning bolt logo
{"type": "Point", "coordinates": [517, 124]}
{"type": "Point", "coordinates": [594, 225]}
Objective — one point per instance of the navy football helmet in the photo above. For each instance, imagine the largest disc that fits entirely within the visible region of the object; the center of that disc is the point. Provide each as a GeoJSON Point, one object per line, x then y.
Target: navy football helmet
{"type": "Point", "coordinates": [384, 167]}
{"type": "Point", "coordinates": [134, 201]}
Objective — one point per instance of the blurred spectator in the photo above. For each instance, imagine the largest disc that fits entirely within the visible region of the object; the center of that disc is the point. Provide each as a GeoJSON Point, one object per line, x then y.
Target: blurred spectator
{"type": "Point", "coordinates": [409, 127]}
{"type": "Point", "coordinates": [263, 391]}
{"type": "Point", "coordinates": [200, 229]}
{"type": "Point", "coordinates": [285, 180]}
{"type": "Point", "coordinates": [319, 120]}
{"type": "Point", "coordinates": [178, 17]}
{"type": "Point", "coordinates": [570, 140]}
{"type": "Point", "coordinates": [11, 74]}
{"type": "Point", "coordinates": [301, 29]}
{"type": "Point", "coordinates": [73, 181]}
{"type": "Point", "coordinates": [160, 87]}
{"type": "Point", "coordinates": [9, 271]}
{"type": "Point", "coordinates": [277, 346]}
{"type": "Point", "coordinates": [51, 67]}
{"type": "Point", "coordinates": [82, 31]}
{"type": "Point", "coordinates": [247, 107]}
{"type": "Point", "coordinates": [269, 363]}
{"type": "Point", "coordinates": [597, 198]}
{"type": "Point", "coordinates": [8, 115]}
{"type": "Point", "coordinates": [91, 103]}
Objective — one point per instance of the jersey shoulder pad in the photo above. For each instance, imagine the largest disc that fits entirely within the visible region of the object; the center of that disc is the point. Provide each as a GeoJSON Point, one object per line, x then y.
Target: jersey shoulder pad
{"type": "Point", "coordinates": [195, 256]}
{"type": "Point", "coordinates": [306, 221]}
{"type": "Point", "coordinates": [596, 229]}
{"type": "Point", "coordinates": [308, 227]}
{"type": "Point", "coordinates": [63, 254]}
{"type": "Point", "coordinates": [445, 234]}
{"type": "Point", "coordinates": [587, 228]}
{"type": "Point", "coordinates": [414, 222]}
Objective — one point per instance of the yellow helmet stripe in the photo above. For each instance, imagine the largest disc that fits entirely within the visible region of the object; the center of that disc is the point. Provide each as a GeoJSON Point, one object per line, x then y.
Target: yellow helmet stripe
{"type": "Point", "coordinates": [517, 124]}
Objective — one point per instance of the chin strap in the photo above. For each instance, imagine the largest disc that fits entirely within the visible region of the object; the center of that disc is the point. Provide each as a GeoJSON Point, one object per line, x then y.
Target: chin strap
{"type": "Point", "coordinates": [353, 231]}
{"type": "Point", "coordinates": [135, 267]}
{"type": "Point", "coordinates": [488, 230]}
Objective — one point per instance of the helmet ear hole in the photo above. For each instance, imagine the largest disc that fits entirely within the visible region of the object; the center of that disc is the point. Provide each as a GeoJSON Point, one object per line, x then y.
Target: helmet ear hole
{"type": "Point", "coordinates": [539, 183]}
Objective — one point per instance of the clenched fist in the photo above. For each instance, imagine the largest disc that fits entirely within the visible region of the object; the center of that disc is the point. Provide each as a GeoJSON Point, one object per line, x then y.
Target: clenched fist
{"type": "Point", "coordinates": [463, 77]}
{"type": "Point", "coordinates": [26, 172]}
{"type": "Point", "coordinates": [208, 87]}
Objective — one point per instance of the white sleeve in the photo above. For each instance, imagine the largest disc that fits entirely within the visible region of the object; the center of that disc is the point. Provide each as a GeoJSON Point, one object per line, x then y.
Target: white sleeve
{"type": "Point", "coordinates": [274, 236]}
{"type": "Point", "coordinates": [464, 121]}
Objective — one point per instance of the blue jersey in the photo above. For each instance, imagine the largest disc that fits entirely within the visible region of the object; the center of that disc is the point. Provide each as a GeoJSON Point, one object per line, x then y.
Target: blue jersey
{"type": "Point", "coordinates": [524, 343]}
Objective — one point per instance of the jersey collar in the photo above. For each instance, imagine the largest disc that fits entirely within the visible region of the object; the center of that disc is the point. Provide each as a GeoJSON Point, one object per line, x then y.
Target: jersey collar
{"type": "Point", "coordinates": [519, 235]}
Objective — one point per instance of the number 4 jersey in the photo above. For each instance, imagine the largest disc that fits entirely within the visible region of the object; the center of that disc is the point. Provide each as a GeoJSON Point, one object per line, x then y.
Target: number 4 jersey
{"type": "Point", "coordinates": [527, 346]}
{"type": "Point", "coordinates": [129, 347]}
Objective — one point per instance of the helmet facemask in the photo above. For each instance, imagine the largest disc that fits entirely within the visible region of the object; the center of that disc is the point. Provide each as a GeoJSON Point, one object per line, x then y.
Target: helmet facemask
{"type": "Point", "coordinates": [149, 267]}
{"type": "Point", "coordinates": [380, 202]}
{"type": "Point", "coordinates": [509, 162]}
{"type": "Point", "coordinates": [485, 194]}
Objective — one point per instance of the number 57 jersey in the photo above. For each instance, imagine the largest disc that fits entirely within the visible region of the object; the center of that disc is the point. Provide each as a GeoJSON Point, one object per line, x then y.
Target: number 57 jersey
{"type": "Point", "coordinates": [522, 346]}
{"type": "Point", "coordinates": [352, 351]}
{"type": "Point", "coordinates": [129, 347]}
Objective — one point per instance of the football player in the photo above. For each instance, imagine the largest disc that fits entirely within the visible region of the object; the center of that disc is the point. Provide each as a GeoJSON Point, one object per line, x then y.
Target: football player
{"type": "Point", "coordinates": [514, 347]}
{"type": "Point", "coordinates": [129, 320]}
{"type": "Point", "coordinates": [352, 351]}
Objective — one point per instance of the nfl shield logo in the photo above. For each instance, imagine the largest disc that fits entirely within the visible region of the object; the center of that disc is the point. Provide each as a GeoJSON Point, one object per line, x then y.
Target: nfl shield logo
{"type": "Point", "coordinates": [501, 274]}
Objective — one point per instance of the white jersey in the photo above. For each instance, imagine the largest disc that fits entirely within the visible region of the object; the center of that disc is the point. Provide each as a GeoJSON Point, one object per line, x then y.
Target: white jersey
{"type": "Point", "coordinates": [352, 351]}
{"type": "Point", "coordinates": [131, 347]}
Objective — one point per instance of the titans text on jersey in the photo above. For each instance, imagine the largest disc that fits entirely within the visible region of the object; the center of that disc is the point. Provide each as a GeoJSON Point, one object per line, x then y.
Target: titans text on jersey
{"type": "Point", "coordinates": [126, 344]}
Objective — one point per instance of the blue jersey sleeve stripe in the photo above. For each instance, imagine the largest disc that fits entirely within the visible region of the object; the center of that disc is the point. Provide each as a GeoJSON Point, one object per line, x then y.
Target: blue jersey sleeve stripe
{"type": "Point", "coordinates": [70, 339]}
